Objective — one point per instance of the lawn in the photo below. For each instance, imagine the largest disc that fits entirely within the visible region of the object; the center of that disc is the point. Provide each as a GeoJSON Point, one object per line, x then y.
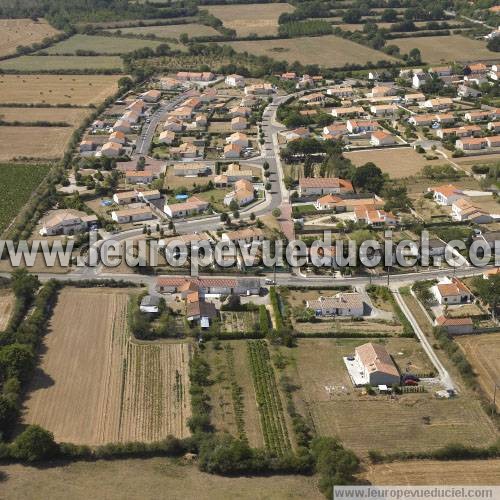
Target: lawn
{"type": "Point", "coordinates": [23, 32]}
{"type": "Point", "coordinates": [99, 45]}
{"type": "Point", "coordinates": [144, 479]}
{"type": "Point", "coordinates": [397, 162]}
{"type": "Point", "coordinates": [17, 182]}
{"type": "Point", "coordinates": [33, 142]}
{"type": "Point", "coordinates": [172, 30]}
{"type": "Point", "coordinates": [440, 49]}
{"type": "Point", "coordinates": [365, 422]}
{"type": "Point", "coordinates": [78, 90]}
{"type": "Point", "coordinates": [261, 19]}
{"type": "Point", "coordinates": [62, 63]}
{"type": "Point", "coordinates": [328, 51]}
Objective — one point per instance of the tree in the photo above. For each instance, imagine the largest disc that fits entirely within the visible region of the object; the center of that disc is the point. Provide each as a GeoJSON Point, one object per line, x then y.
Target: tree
{"type": "Point", "coordinates": [389, 16]}
{"type": "Point", "coordinates": [489, 291]}
{"type": "Point", "coordinates": [24, 284]}
{"type": "Point", "coordinates": [352, 16]}
{"type": "Point", "coordinates": [16, 360]}
{"type": "Point", "coordinates": [8, 415]}
{"type": "Point", "coordinates": [223, 217]}
{"type": "Point", "coordinates": [252, 216]}
{"type": "Point", "coordinates": [35, 444]}
{"type": "Point", "coordinates": [414, 56]}
{"type": "Point", "coordinates": [276, 213]}
{"type": "Point", "coordinates": [141, 163]}
{"type": "Point", "coordinates": [494, 44]}
{"type": "Point", "coordinates": [369, 178]}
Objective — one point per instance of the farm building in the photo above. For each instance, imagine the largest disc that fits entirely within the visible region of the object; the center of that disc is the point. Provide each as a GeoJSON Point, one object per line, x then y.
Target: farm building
{"type": "Point", "coordinates": [372, 364]}
{"type": "Point", "coordinates": [455, 326]}
{"type": "Point", "coordinates": [341, 304]}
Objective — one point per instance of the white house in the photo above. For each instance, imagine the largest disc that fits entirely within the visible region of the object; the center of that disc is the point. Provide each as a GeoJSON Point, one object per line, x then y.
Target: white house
{"type": "Point", "coordinates": [452, 291]}
{"type": "Point", "coordinates": [376, 364]}
{"type": "Point", "coordinates": [67, 222]}
{"type": "Point", "coordinates": [235, 81]}
{"type": "Point", "coordinates": [463, 210]}
{"type": "Point", "coordinates": [446, 195]}
{"type": "Point", "coordinates": [132, 215]}
{"type": "Point", "coordinates": [149, 304]}
{"type": "Point", "coordinates": [380, 138]}
{"type": "Point", "coordinates": [191, 206]}
{"type": "Point", "coordinates": [341, 304]}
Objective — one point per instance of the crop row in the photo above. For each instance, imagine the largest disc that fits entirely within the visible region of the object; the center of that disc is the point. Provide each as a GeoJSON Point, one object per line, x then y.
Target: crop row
{"type": "Point", "coordinates": [236, 394]}
{"type": "Point", "coordinates": [268, 398]}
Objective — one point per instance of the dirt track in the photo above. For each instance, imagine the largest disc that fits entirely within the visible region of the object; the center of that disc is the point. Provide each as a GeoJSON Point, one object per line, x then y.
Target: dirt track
{"type": "Point", "coordinates": [6, 305]}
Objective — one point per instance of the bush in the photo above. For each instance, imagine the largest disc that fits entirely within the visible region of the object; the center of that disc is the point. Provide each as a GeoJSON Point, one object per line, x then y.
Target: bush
{"type": "Point", "coordinates": [34, 444]}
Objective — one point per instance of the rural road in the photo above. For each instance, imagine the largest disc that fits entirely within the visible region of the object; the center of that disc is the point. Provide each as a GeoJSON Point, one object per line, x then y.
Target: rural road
{"type": "Point", "coordinates": [444, 376]}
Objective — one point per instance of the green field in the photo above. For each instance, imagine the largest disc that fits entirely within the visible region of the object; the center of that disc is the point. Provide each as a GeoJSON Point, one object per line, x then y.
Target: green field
{"type": "Point", "coordinates": [17, 182]}
{"type": "Point", "coordinates": [62, 63]}
{"type": "Point", "coordinates": [100, 45]}
{"type": "Point", "coordinates": [171, 31]}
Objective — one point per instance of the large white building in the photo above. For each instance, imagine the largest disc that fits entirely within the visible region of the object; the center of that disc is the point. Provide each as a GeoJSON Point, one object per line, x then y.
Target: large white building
{"type": "Point", "coordinates": [376, 365]}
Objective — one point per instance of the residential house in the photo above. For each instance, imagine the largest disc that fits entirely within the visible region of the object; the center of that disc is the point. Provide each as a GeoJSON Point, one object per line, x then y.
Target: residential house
{"type": "Point", "coordinates": [235, 81]}
{"type": "Point", "coordinates": [151, 96]}
{"type": "Point", "coordinates": [247, 235]}
{"type": "Point", "coordinates": [122, 126]}
{"type": "Point", "coordinates": [374, 217]}
{"type": "Point", "coordinates": [380, 138]}
{"type": "Point", "coordinates": [173, 125]}
{"type": "Point", "coordinates": [361, 126]}
{"type": "Point", "coordinates": [238, 138]}
{"type": "Point", "coordinates": [260, 89]}
{"type": "Point", "coordinates": [347, 111]}
{"type": "Point", "coordinates": [66, 222]}
{"type": "Point", "coordinates": [347, 204]}
{"type": "Point", "coordinates": [150, 304]}
{"type": "Point", "coordinates": [494, 126]}
{"type": "Point", "coordinates": [183, 113]}
{"type": "Point", "coordinates": [132, 215]}
{"type": "Point", "coordinates": [419, 79]}
{"type": "Point", "coordinates": [139, 176]}
{"type": "Point", "coordinates": [243, 193]}
{"type": "Point", "coordinates": [340, 91]}
{"type": "Point", "coordinates": [493, 141]}
{"type": "Point", "coordinates": [87, 145]}
{"type": "Point", "coordinates": [185, 150]}
{"type": "Point", "coordinates": [335, 132]}
{"type": "Point", "coordinates": [298, 133]}
{"type": "Point", "coordinates": [309, 186]}
{"type": "Point", "coordinates": [464, 131]}
{"type": "Point", "coordinates": [125, 197]}
{"type": "Point", "coordinates": [111, 149]}
{"type": "Point", "coordinates": [131, 117]}
{"type": "Point", "coordinates": [197, 169]}
{"type": "Point", "coordinates": [236, 172]}
{"type": "Point", "coordinates": [118, 137]}
{"type": "Point", "coordinates": [445, 118]}
{"type": "Point", "coordinates": [240, 111]}
{"type": "Point", "coordinates": [209, 286]}
{"type": "Point", "coordinates": [342, 304]}
{"type": "Point", "coordinates": [166, 137]}
{"type": "Point", "coordinates": [446, 194]}
{"type": "Point", "coordinates": [314, 99]}
{"type": "Point", "coordinates": [452, 291]}
{"type": "Point", "coordinates": [464, 210]}
{"type": "Point", "coordinates": [232, 151]}
{"type": "Point", "coordinates": [422, 120]}
{"type": "Point", "coordinates": [238, 123]}
{"type": "Point", "coordinates": [383, 109]}
{"type": "Point", "coordinates": [191, 206]}
{"type": "Point", "coordinates": [467, 91]}
{"type": "Point", "coordinates": [471, 143]}
{"type": "Point", "coordinates": [376, 364]}
{"type": "Point", "coordinates": [439, 103]}
{"type": "Point", "coordinates": [148, 195]}
{"type": "Point", "coordinates": [476, 116]}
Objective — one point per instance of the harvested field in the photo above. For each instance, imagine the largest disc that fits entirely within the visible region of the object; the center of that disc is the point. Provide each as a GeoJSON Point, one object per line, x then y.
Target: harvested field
{"type": "Point", "coordinates": [62, 63]}
{"type": "Point", "coordinates": [261, 19]}
{"type": "Point", "coordinates": [329, 51]}
{"type": "Point", "coordinates": [397, 162]}
{"type": "Point", "coordinates": [422, 472]}
{"type": "Point", "coordinates": [95, 385]}
{"type": "Point", "coordinates": [390, 426]}
{"type": "Point", "coordinates": [437, 49]}
{"type": "Point", "coordinates": [23, 32]}
{"type": "Point", "coordinates": [483, 353]}
{"type": "Point", "coordinates": [172, 30]}
{"type": "Point", "coordinates": [366, 422]}
{"type": "Point", "coordinates": [6, 305]}
{"type": "Point", "coordinates": [33, 142]}
{"type": "Point", "coordinates": [144, 478]}
{"type": "Point", "coordinates": [73, 116]}
{"type": "Point", "coordinates": [99, 45]}
{"type": "Point", "coordinates": [467, 162]}
{"type": "Point", "coordinates": [79, 90]}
